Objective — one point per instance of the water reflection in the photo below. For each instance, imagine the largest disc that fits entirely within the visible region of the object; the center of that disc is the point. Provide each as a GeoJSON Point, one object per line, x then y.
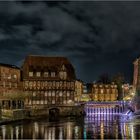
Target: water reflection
{"type": "Point", "coordinates": [95, 127]}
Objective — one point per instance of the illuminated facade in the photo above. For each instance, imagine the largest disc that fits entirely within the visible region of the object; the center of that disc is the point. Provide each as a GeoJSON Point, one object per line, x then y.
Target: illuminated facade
{"type": "Point", "coordinates": [10, 84]}
{"type": "Point", "coordinates": [78, 90]}
{"type": "Point", "coordinates": [50, 80]}
{"type": "Point", "coordinates": [104, 92]}
{"type": "Point", "coordinates": [136, 75]}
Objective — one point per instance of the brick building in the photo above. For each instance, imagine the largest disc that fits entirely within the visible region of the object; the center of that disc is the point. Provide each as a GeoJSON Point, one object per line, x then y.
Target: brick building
{"type": "Point", "coordinates": [104, 92]}
{"type": "Point", "coordinates": [136, 74]}
{"type": "Point", "coordinates": [50, 80]}
{"type": "Point", "coordinates": [10, 84]}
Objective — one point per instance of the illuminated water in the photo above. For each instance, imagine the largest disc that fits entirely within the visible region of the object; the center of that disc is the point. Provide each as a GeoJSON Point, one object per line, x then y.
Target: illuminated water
{"type": "Point", "coordinates": [95, 127]}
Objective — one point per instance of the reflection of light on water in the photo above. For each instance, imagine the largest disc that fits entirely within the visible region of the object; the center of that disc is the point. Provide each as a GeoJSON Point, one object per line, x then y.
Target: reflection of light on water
{"type": "Point", "coordinates": [102, 130]}
{"type": "Point", "coordinates": [46, 134]}
{"type": "Point", "coordinates": [69, 130]}
{"type": "Point", "coordinates": [3, 131]}
{"type": "Point", "coordinates": [11, 131]}
{"type": "Point", "coordinates": [132, 132]}
{"type": "Point", "coordinates": [85, 133]}
{"type": "Point", "coordinates": [76, 130]}
{"type": "Point", "coordinates": [60, 133]}
{"type": "Point", "coordinates": [36, 130]}
{"type": "Point", "coordinates": [53, 133]}
{"type": "Point", "coordinates": [17, 132]}
{"type": "Point", "coordinates": [36, 127]}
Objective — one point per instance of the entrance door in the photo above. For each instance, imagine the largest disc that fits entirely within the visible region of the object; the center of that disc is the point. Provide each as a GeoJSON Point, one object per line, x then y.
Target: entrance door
{"type": "Point", "coordinates": [53, 114]}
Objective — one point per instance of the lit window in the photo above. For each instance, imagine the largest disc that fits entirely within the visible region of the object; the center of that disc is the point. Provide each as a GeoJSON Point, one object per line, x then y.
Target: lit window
{"type": "Point", "coordinates": [64, 102]}
{"type": "Point", "coordinates": [63, 75]}
{"type": "Point", "coordinates": [34, 94]}
{"type": "Point", "coordinates": [30, 74]}
{"type": "Point", "coordinates": [9, 77]}
{"type": "Point", "coordinates": [49, 93]}
{"type": "Point", "coordinates": [46, 74]}
{"type": "Point", "coordinates": [68, 94]}
{"type": "Point", "coordinates": [53, 101]}
{"type": "Point", "coordinates": [102, 91]}
{"type": "Point", "coordinates": [52, 74]}
{"type": "Point", "coordinates": [37, 102]}
{"type": "Point", "coordinates": [15, 76]}
{"type": "Point", "coordinates": [46, 101]}
{"type": "Point", "coordinates": [38, 74]}
{"type": "Point", "coordinates": [60, 93]}
{"type": "Point", "coordinates": [53, 94]}
{"type": "Point", "coordinates": [42, 102]}
{"type": "Point", "coordinates": [46, 93]}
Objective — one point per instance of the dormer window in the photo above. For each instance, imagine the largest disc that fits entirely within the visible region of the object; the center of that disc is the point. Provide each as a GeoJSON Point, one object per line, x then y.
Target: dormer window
{"type": "Point", "coordinates": [38, 74]}
{"type": "Point", "coordinates": [52, 74]}
{"type": "Point", "coordinates": [46, 74]}
{"type": "Point", "coordinates": [63, 75]}
{"type": "Point", "coordinates": [30, 74]}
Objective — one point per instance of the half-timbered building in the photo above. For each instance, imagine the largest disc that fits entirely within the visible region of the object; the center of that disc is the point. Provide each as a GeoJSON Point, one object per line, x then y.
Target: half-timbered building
{"type": "Point", "coordinates": [50, 80]}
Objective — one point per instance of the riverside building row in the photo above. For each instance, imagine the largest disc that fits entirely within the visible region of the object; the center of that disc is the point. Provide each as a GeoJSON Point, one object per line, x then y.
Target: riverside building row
{"type": "Point", "coordinates": [48, 81]}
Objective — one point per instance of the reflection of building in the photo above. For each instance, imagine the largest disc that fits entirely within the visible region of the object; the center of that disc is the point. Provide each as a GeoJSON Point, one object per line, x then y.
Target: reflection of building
{"type": "Point", "coordinates": [104, 92]}
{"type": "Point", "coordinates": [78, 90]}
{"type": "Point", "coordinates": [50, 80]}
{"type": "Point", "coordinates": [9, 86]}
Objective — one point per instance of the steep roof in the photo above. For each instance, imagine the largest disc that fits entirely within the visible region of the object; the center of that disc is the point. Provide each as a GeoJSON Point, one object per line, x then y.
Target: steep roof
{"type": "Point", "coordinates": [49, 63]}
{"type": "Point", "coordinates": [9, 66]}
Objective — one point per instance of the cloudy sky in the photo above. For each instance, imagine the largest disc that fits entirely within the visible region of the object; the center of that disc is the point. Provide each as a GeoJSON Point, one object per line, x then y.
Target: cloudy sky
{"type": "Point", "coordinates": [97, 37]}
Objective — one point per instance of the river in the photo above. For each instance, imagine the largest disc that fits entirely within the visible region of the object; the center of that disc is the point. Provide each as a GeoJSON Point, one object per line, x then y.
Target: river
{"type": "Point", "coordinates": [95, 127]}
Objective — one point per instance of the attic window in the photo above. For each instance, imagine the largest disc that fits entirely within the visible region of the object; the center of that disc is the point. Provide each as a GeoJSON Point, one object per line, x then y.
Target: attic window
{"type": "Point", "coordinates": [63, 75]}
{"type": "Point", "coordinates": [38, 74]}
{"type": "Point", "coordinates": [30, 74]}
{"type": "Point", "coordinates": [46, 74]}
{"type": "Point", "coordinates": [52, 74]}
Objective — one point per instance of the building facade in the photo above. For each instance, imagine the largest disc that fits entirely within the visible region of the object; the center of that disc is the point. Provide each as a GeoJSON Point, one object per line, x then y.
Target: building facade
{"type": "Point", "coordinates": [136, 74]}
{"type": "Point", "coordinates": [104, 92]}
{"type": "Point", "coordinates": [10, 85]}
{"type": "Point", "coordinates": [78, 90]}
{"type": "Point", "coordinates": [50, 81]}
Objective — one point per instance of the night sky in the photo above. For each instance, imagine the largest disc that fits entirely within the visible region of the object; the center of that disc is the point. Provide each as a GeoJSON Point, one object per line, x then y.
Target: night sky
{"type": "Point", "coordinates": [97, 37]}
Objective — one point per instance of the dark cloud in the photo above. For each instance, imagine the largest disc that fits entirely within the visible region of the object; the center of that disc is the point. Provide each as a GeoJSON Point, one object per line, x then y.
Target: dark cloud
{"type": "Point", "coordinates": [97, 37]}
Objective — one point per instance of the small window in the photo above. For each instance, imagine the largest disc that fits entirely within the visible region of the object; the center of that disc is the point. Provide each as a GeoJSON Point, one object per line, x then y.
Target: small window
{"type": "Point", "coordinates": [53, 94]}
{"type": "Point", "coordinates": [15, 76]}
{"type": "Point", "coordinates": [46, 93]}
{"type": "Point", "coordinates": [34, 93]}
{"type": "Point", "coordinates": [42, 102]}
{"type": "Point", "coordinates": [52, 74]}
{"type": "Point", "coordinates": [46, 74]}
{"type": "Point", "coordinates": [9, 77]}
{"type": "Point", "coordinates": [53, 101]}
{"type": "Point", "coordinates": [30, 74]}
{"type": "Point", "coordinates": [68, 94]}
{"type": "Point", "coordinates": [60, 93]}
{"type": "Point", "coordinates": [38, 74]}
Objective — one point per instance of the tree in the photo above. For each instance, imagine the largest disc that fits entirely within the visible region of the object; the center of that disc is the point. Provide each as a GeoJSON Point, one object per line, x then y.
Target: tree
{"type": "Point", "coordinates": [118, 79]}
{"type": "Point", "coordinates": [104, 78]}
